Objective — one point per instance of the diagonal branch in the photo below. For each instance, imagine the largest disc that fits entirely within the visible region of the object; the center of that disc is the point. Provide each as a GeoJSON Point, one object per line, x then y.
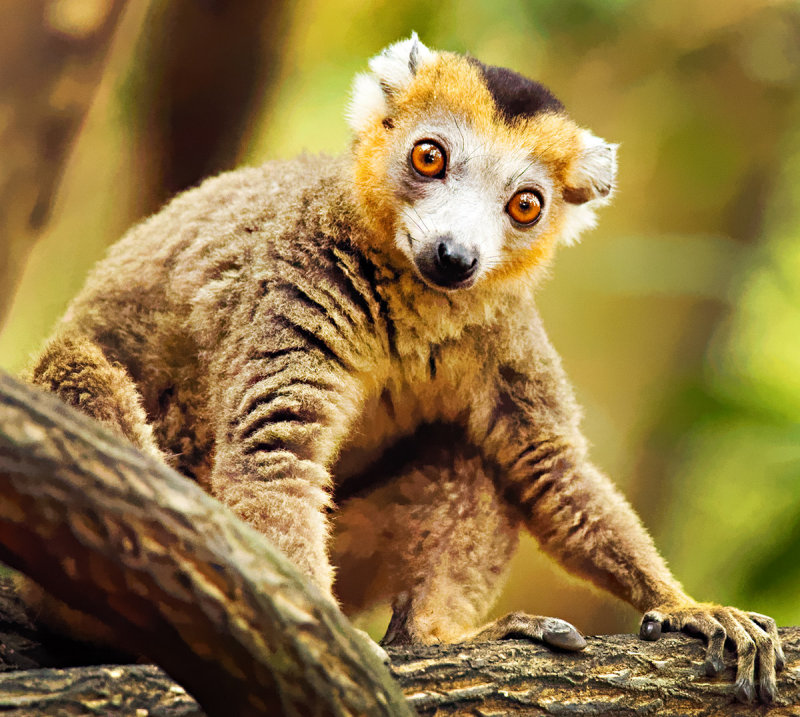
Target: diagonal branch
{"type": "Point", "coordinates": [173, 572]}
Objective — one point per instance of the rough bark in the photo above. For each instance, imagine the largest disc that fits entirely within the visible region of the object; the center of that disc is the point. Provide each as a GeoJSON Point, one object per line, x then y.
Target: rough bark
{"type": "Point", "coordinates": [615, 675]}
{"type": "Point", "coordinates": [181, 579]}
{"type": "Point", "coordinates": [130, 690]}
{"type": "Point", "coordinates": [174, 573]}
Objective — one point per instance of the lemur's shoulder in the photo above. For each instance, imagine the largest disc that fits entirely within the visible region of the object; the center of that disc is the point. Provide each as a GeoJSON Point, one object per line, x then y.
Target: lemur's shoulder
{"type": "Point", "coordinates": [233, 213]}
{"type": "Point", "coordinates": [238, 203]}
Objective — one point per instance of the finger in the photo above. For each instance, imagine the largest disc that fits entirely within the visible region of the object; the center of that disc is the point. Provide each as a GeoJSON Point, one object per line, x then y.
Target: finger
{"type": "Point", "coordinates": [374, 647]}
{"type": "Point", "coordinates": [653, 624]}
{"type": "Point", "coordinates": [765, 654]}
{"type": "Point", "coordinates": [715, 634]}
{"type": "Point", "coordinates": [745, 688]}
{"type": "Point", "coordinates": [767, 624]}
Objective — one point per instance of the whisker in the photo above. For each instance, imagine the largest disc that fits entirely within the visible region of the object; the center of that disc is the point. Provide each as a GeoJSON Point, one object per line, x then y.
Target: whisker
{"type": "Point", "coordinates": [416, 223]}
{"type": "Point", "coordinates": [422, 221]}
{"type": "Point", "coordinates": [458, 127]}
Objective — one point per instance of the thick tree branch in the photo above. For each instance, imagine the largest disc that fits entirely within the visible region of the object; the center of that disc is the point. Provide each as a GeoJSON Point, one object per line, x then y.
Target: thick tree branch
{"type": "Point", "coordinates": [615, 675]}
{"type": "Point", "coordinates": [172, 571]}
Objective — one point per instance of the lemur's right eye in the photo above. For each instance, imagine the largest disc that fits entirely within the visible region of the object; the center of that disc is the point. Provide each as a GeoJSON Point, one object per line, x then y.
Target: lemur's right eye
{"type": "Point", "coordinates": [429, 159]}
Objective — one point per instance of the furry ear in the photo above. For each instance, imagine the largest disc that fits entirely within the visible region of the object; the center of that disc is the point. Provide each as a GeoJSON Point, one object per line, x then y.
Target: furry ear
{"type": "Point", "coordinates": [590, 185]}
{"type": "Point", "coordinates": [390, 72]}
{"type": "Point", "coordinates": [595, 174]}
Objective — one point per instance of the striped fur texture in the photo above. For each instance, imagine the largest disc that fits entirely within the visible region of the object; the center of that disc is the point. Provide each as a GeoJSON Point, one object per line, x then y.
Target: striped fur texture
{"type": "Point", "coordinates": [268, 334]}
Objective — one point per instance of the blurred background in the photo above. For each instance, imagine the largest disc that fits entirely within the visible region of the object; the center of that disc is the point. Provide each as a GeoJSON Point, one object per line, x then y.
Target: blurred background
{"type": "Point", "coordinates": [678, 319]}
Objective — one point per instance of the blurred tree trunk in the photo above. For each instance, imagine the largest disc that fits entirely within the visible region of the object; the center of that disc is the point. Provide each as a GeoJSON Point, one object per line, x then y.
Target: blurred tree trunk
{"type": "Point", "coordinates": [203, 70]}
{"type": "Point", "coordinates": [195, 77]}
{"type": "Point", "coordinates": [51, 60]}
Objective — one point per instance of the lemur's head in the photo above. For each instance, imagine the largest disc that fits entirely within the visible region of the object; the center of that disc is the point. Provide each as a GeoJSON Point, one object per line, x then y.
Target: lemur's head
{"type": "Point", "coordinates": [473, 172]}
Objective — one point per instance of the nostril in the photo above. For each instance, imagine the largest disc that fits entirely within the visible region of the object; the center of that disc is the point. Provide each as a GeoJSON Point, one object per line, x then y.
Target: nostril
{"type": "Point", "coordinates": [442, 252]}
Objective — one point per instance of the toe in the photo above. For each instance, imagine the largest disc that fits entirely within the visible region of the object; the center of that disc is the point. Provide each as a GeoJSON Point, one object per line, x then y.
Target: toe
{"type": "Point", "coordinates": [559, 633]}
{"type": "Point", "coordinates": [745, 691]}
{"type": "Point", "coordinates": [710, 628]}
{"type": "Point", "coordinates": [745, 652]}
{"type": "Point", "coordinates": [651, 627]}
{"type": "Point", "coordinates": [767, 688]}
{"type": "Point", "coordinates": [767, 624]}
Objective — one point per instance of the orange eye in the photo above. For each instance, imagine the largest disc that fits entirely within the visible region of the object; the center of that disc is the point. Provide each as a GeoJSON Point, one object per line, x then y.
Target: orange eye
{"type": "Point", "coordinates": [428, 159]}
{"type": "Point", "coordinates": [525, 207]}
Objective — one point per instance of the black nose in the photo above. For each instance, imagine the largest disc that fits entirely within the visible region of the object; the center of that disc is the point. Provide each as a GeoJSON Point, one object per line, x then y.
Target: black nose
{"type": "Point", "coordinates": [453, 262]}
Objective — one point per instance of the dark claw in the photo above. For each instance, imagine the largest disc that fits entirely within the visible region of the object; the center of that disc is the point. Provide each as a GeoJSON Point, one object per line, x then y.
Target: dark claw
{"type": "Point", "coordinates": [745, 692]}
{"type": "Point", "coordinates": [780, 661]}
{"type": "Point", "coordinates": [714, 665]}
{"type": "Point", "coordinates": [650, 630]}
{"type": "Point", "coordinates": [767, 692]}
{"type": "Point", "coordinates": [563, 635]}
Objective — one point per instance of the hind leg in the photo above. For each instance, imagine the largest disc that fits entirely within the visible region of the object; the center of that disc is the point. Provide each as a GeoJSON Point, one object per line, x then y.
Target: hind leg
{"type": "Point", "coordinates": [78, 372]}
{"type": "Point", "coordinates": [436, 540]}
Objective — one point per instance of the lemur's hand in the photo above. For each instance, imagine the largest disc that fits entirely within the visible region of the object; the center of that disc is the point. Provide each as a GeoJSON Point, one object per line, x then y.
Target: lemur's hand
{"type": "Point", "coordinates": [754, 637]}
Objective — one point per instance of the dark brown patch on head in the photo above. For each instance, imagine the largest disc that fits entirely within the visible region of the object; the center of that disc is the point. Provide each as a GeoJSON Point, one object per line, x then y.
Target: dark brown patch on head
{"type": "Point", "coordinates": [514, 94]}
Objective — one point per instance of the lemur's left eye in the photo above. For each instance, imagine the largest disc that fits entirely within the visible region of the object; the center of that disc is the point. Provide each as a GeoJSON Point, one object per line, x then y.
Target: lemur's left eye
{"type": "Point", "coordinates": [525, 207]}
{"type": "Point", "coordinates": [428, 159]}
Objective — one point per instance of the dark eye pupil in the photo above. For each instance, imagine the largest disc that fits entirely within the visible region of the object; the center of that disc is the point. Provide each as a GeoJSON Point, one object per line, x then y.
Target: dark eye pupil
{"type": "Point", "coordinates": [431, 156]}
{"type": "Point", "coordinates": [524, 205]}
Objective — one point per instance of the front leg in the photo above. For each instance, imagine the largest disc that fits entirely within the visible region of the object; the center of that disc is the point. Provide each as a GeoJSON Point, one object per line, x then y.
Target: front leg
{"type": "Point", "coordinates": [586, 524]}
{"type": "Point", "coordinates": [286, 408]}
{"type": "Point", "coordinates": [580, 518]}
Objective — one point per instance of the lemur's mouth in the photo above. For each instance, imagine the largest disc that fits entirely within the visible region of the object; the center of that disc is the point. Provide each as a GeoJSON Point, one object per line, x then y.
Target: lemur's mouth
{"type": "Point", "coordinates": [455, 285]}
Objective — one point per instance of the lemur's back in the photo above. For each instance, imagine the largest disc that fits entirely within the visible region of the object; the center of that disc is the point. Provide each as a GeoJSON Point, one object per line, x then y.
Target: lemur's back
{"type": "Point", "coordinates": [162, 301]}
{"type": "Point", "coordinates": [158, 278]}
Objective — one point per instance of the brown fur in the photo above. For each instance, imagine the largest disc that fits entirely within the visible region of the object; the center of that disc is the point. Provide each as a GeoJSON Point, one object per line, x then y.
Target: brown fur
{"type": "Point", "coordinates": [263, 334]}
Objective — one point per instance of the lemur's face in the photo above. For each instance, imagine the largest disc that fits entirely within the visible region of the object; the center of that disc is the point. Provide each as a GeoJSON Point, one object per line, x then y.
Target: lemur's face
{"type": "Point", "coordinates": [474, 173]}
{"type": "Point", "coordinates": [467, 203]}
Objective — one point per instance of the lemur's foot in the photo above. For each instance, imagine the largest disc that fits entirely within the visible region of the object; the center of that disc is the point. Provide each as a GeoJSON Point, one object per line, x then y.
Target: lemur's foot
{"type": "Point", "coordinates": [550, 630]}
{"type": "Point", "coordinates": [422, 627]}
{"type": "Point", "coordinates": [753, 636]}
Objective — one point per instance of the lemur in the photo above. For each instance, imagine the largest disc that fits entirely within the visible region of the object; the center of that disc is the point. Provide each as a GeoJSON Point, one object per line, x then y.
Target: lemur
{"type": "Point", "coordinates": [355, 341]}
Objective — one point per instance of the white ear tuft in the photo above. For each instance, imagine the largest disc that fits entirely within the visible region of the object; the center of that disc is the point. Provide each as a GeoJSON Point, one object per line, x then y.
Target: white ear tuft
{"type": "Point", "coordinates": [390, 72]}
{"type": "Point", "coordinates": [595, 173]}
{"type": "Point", "coordinates": [590, 185]}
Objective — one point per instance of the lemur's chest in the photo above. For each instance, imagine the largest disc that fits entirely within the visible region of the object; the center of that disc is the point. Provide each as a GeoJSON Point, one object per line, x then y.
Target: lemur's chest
{"type": "Point", "coordinates": [400, 405]}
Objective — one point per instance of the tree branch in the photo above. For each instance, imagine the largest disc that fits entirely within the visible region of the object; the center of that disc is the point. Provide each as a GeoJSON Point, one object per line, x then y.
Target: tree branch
{"type": "Point", "coordinates": [177, 575]}
{"type": "Point", "coordinates": [615, 675]}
